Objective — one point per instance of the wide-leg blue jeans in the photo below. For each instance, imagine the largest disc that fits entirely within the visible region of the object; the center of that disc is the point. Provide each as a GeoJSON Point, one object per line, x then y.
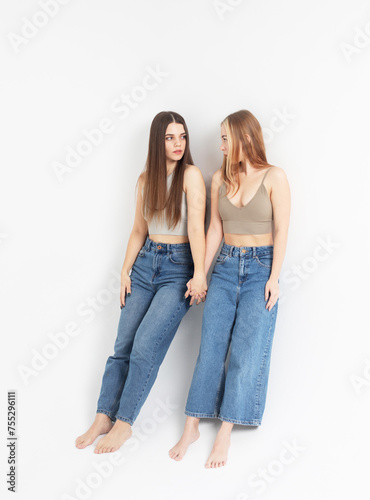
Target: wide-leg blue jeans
{"type": "Point", "coordinates": [235, 317]}
{"type": "Point", "coordinates": [148, 323]}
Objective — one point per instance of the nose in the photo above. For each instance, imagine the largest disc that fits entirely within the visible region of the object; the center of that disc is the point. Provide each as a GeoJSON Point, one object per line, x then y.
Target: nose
{"type": "Point", "coordinates": [222, 147]}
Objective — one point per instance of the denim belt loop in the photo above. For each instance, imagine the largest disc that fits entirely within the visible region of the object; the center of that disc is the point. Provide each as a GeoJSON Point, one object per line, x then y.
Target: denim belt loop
{"type": "Point", "coordinates": [254, 251]}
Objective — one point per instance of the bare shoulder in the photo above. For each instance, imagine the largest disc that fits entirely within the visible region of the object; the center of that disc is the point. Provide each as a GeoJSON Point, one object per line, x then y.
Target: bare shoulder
{"type": "Point", "coordinates": [277, 182]}
{"type": "Point", "coordinates": [140, 181]}
{"type": "Point", "coordinates": [142, 177]}
{"type": "Point", "coordinates": [276, 174]}
{"type": "Point", "coordinates": [217, 178]}
{"type": "Point", "coordinates": [192, 176]}
{"type": "Point", "coordinates": [192, 172]}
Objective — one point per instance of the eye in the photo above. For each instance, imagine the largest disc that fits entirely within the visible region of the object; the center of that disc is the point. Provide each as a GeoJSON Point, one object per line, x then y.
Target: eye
{"type": "Point", "coordinates": [168, 138]}
{"type": "Point", "coordinates": [183, 137]}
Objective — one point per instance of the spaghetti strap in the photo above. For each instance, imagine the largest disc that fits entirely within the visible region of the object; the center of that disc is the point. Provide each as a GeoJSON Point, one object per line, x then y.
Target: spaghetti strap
{"type": "Point", "coordinates": [265, 174]}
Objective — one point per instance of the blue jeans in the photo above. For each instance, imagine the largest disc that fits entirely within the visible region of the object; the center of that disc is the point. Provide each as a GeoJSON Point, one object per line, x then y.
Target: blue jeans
{"type": "Point", "coordinates": [148, 323]}
{"type": "Point", "coordinates": [235, 317]}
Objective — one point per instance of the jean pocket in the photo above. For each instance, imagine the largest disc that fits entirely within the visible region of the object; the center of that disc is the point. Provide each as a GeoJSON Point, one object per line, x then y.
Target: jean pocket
{"type": "Point", "coordinates": [222, 258]}
{"type": "Point", "coordinates": [182, 258]}
{"type": "Point", "coordinates": [264, 260]}
{"type": "Point", "coordinates": [142, 252]}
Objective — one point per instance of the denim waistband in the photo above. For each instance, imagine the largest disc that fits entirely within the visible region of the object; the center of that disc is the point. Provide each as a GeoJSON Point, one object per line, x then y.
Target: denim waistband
{"type": "Point", "coordinates": [233, 251]}
{"type": "Point", "coordinates": [165, 247]}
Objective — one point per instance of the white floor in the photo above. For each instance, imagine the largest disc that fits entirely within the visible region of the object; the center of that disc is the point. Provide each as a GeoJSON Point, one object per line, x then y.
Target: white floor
{"type": "Point", "coordinates": [311, 444]}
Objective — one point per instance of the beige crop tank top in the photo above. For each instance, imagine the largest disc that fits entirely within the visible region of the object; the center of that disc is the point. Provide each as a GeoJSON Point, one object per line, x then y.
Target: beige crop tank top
{"type": "Point", "coordinates": [256, 217]}
{"type": "Point", "coordinates": [181, 229]}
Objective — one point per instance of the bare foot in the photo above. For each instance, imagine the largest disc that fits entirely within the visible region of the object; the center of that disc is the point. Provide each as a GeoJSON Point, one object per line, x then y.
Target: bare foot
{"type": "Point", "coordinates": [102, 424]}
{"type": "Point", "coordinates": [190, 434]}
{"type": "Point", "coordinates": [218, 456]}
{"type": "Point", "coordinates": [120, 432]}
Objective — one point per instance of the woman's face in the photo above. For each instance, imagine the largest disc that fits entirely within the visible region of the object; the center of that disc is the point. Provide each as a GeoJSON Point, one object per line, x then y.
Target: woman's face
{"type": "Point", "coordinates": [175, 141]}
{"type": "Point", "coordinates": [224, 144]}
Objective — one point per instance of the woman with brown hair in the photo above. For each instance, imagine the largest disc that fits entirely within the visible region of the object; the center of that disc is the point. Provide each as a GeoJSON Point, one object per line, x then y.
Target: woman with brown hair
{"type": "Point", "coordinates": [249, 200]}
{"type": "Point", "coordinates": [165, 250]}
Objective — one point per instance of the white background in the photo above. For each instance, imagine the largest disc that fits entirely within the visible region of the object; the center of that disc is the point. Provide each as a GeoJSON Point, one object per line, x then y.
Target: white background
{"type": "Point", "coordinates": [63, 239]}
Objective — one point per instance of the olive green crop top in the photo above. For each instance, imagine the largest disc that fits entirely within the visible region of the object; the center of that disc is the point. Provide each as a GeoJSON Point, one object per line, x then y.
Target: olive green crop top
{"type": "Point", "coordinates": [181, 229]}
{"type": "Point", "coordinates": [256, 217]}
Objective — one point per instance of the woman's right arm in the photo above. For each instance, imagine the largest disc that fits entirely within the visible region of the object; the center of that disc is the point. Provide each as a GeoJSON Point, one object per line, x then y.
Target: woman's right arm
{"type": "Point", "coordinates": [136, 240]}
{"type": "Point", "coordinates": [215, 231]}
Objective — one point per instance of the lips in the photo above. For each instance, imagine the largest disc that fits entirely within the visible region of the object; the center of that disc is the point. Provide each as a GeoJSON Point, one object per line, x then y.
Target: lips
{"type": "Point", "coordinates": [178, 151]}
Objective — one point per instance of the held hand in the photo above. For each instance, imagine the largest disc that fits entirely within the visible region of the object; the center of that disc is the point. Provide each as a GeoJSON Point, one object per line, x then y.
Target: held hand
{"type": "Point", "coordinates": [188, 285]}
{"type": "Point", "coordinates": [197, 288]}
{"type": "Point", "coordinates": [125, 287]}
{"type": "Point", "coordinates": [272, 293]}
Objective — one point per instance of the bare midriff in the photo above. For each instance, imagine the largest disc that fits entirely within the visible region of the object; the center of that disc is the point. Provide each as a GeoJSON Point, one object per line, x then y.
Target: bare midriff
{"type": "Point", "coordinates": [169, 238]}
{"type": "Point", "coordinates": [248, 240]}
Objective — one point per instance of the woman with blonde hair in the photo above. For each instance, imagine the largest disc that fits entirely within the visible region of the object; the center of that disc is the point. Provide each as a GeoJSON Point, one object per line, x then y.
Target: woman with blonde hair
{"type": "Point", "coordinates": [250, 200]}
{"type": "Point", "coordinates": [165, 250]}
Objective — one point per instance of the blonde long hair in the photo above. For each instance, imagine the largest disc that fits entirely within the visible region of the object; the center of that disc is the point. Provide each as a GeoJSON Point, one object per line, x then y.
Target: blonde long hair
{"type": "Point", "coordinates": [238, 125]}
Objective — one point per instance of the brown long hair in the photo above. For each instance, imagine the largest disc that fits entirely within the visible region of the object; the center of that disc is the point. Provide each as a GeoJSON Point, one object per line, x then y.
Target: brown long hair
{"type": "Point", "coordinates": [237, 126]}
{"type": "Point", "coordinates": [155, 199]}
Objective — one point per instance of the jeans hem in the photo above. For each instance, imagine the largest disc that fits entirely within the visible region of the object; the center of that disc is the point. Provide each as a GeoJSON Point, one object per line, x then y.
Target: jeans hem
{"type": "Point", "coordinates": [255, 422]}
{"type": "Point", "coordinates": [108, 413]}
{"type": "Point", "coordinates": [124, 419]}
{"type": "Point", "coordinates": [201, 415]}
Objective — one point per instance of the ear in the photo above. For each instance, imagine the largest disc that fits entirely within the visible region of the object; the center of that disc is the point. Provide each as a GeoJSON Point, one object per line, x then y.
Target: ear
{"type": "Point", "coordinates": [248, 137]}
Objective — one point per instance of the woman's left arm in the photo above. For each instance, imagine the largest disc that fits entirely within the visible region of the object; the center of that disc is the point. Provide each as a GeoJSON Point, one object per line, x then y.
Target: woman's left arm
{"type": "Point", "coordinates": [280, 198]}
{"type": "Point", "coordinates": [196, 203]}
